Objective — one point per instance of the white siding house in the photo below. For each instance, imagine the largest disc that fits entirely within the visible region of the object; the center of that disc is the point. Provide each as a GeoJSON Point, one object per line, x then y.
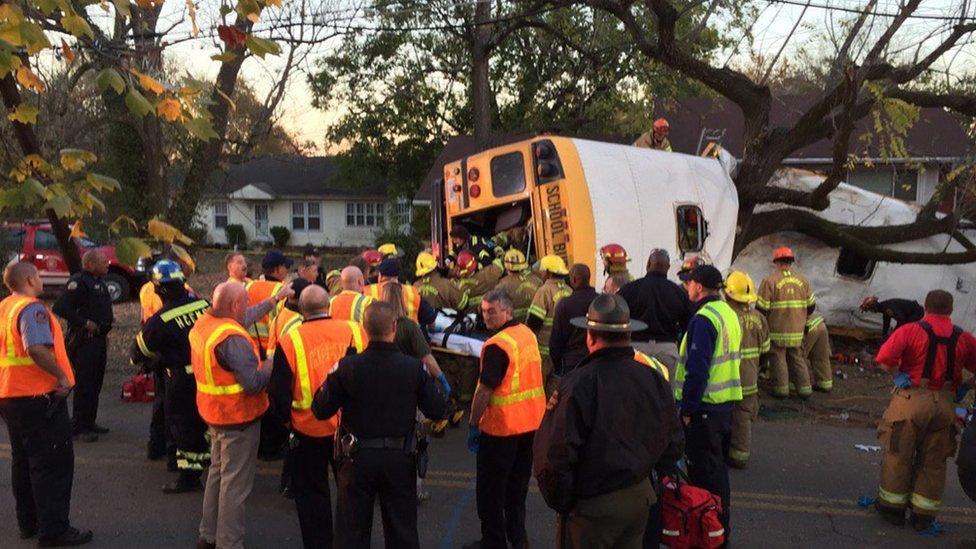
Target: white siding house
{"type": "Point", "coordinates": [302, 195]}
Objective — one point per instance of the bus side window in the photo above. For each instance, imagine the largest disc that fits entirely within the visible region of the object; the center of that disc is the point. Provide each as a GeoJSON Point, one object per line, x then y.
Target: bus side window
{"type": "Point", "coordinates": [507, 174]}
{"type": "Point", "coordinates": [692, 228]}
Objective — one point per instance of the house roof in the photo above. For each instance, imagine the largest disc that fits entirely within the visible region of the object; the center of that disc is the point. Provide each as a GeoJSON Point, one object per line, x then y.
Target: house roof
{"type": "Point", "coordinates": [294, 176]}
{"type": "Point", "coordinates": [936, 134]}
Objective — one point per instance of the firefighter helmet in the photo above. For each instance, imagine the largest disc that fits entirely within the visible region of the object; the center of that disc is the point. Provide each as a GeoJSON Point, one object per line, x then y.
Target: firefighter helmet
{"type": "Point", "coordinates": [467, 264]}
{"type": "Point", "coordinates": [372, 257]}
{"type": "Point", "coordinates": [739, 287]}
{"type": "Point", "coordinates": [166, 270]}
{"type": "Point", "coordinates": [783, 252]}
{"type": "Point", "coordinates": [553, 264]}
{"type": "Point", "coordinates": [661, 124]}
{"type": "Point", "coordinates": [388, 250]}
{"type": "Point", "coordinates": [614, 254]}
{"type": "Point", "coordinates": [426, 262]}
{"type": "Point", "coordinates": [515, 261]}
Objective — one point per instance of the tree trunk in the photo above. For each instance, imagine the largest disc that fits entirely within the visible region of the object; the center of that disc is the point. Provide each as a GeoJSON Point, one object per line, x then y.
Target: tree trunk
{"type": "Point", "coordinates": [27, 140]}
{"type": "Point", "coordinates": [480, 78]}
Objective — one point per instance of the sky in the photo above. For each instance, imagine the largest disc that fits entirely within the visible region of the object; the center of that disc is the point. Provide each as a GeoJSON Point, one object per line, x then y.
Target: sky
{"type": "Point", "coordinates": [776, 24]}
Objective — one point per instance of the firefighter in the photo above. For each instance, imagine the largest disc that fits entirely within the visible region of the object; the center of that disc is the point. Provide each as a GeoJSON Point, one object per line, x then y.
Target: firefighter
{"type": "Point", "coordinates": [301, 365]}
{"type": "Point", "coordinates": [34, 387]}
{"type": "Point", "coordinates": [465, 269]}
{"type": "Point", "coordinates": [816, 352]}
{"type": "Point", "coordinates": [543, 309]}
{"type": "Point", "coordinates": [740, 294]}
{"type": "Point", "coordinates": [687, 266]}
{"type": "Point", "coordinates": [433, 286]}
{"type": "Point", "coordinates": [388, 250]}
{"type": "Point", "coordinates": [787, 299]}
{"type": "Point", "coordinates": [165, 337]}
{"type": "Point", "coordinates": [462, 240]}
{"type": "Point", "coordinates": [657, 138]}
{"type": "Point", "coordinates": [350, 303]}
{"type": "Point", "coordinates": [615, 260]}
{"type": "Point", "coordinates": [918, 430]}
{"type": "Point", "coordinates": [520, 283]}
{"type": "Point", "coordinates": [417, 309]}
{"type": "Point", "coordinates": [372, 260]}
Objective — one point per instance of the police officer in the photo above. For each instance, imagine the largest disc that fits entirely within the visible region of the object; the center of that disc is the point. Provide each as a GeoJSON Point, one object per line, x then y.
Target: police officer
{"type": "Point", "coordinates": [165, 338]}
{"type": "Point", "coordinates": [378, 392]}
{"type": "Point", "coordinates": [87, 307]}
{"type": "Point", "coordinates": [36, 380]}
{"type": "Point", "coordinates": [301, 363]}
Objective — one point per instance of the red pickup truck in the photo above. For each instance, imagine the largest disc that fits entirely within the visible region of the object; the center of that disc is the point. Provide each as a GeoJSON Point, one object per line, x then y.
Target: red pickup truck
{"type": "Point", "coordinates": [35, 242]}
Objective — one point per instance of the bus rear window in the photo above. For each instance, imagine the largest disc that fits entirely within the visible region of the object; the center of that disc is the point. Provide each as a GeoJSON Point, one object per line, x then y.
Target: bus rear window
{"type": "Point", "coordinates": [507, 174]}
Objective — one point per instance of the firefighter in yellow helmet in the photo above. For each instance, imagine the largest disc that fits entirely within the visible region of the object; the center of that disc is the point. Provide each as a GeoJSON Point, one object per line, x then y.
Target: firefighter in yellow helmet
{"type": "Point", "coordinates": [433, 286]}
{"type": "Point", "coordinates": [519, 282]}
{"type": "Point", "coordinates": [543, 309]}
{"type": "Point", "coordinates": [388, 250]}
{"type": "Point", "coordinates": [740, 294]}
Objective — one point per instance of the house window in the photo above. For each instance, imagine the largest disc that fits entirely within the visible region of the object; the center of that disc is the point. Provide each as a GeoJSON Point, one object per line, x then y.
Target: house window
{"type": "Point", "coordinates": [220, 214]}
{"type": "Point", "coordinates": [365, 214]}
{"type": "Point", "coordinates": [402, 213]}
{"type": "Point", "coordinates": [306, 216]}
{"type": "Point", "coordinates": [853, 265]}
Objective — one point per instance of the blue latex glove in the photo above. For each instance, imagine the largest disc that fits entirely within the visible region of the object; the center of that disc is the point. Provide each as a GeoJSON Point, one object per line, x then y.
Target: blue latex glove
{"type": "Point", "coordinates": [442, 379]}
{"type": "Point", "coordinates": [903, 380]}
{"type": "Point", "coordinates": [962, 391]}
{"type": "Point", "coordinates": [474, 436]}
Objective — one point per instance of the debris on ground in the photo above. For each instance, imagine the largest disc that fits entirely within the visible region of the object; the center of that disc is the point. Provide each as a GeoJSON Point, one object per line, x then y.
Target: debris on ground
{"type": "Point", "coordinates": [933, 530]}
{"type": "Point", "coordinates": [866, 501]}
{"type": "Point", "coordinates": [867, 448]}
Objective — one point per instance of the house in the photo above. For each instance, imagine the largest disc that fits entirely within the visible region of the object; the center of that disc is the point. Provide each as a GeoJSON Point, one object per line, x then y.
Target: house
{"type": "Point", "coordinates": [302, 194]}
{"type": "Point", "coordinates": [935, 144]}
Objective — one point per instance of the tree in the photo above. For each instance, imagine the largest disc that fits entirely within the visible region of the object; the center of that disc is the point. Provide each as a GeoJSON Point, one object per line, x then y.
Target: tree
{"type": "Point", "coordinates": [877, 66]}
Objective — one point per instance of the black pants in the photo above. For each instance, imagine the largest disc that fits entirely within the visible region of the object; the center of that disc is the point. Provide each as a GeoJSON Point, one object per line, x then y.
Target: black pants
{"type": "Point", "coordinates": [274, 437]}
{"type": "Point", "coordinates": [161, 440]}
{"type": "Point", "coordinates": [309, 463]}
{"type": "Point", "coordinates": [42, 462]}
{"type": "Point", "coordinates": [88, 356]}
{"type": "Point", "coordinates": [389, 474]}
{"type": "Point", "coordinates": [504, 469]}
{"type": "Point", "coordinates": [185, 428]}
{"type": "Point", "coordinates": [707, 440]}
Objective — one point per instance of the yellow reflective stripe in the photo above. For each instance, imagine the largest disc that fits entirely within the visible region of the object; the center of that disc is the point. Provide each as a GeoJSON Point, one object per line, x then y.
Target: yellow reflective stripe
{"type": "Point", "coordinates": [891, 497]}
{"type": "Point", "coordinates": [11, 321]}
{"type": "Point", "coordinates": [219, 389]}
{"type": "Point", "coordinates": [211, 388]}
{"type": "Point", "coordinates": [188, 368]}
{"type": "Point", "coordinates": [813, 322]}
{"type": "Point", "coordinates": [141, 342]}
{"type": "Point", "coordinates": [922, 502]}
{"type": "Point", "coordinates": [301, 368]}
{"type": "Point", "coordinates": [184, 309]}
{"type": "Point", "coordinates": [515, 359]}
{"type": "Point", "coordinates": [357, 309]}
{"type": "Point", "coordinates": [295, 321]}
{"type": "Point", "coordinates": [788, 304]}
{"type": "Point", "coordinates": [357, 337]}
{"type": "Point", "coordinates": [409, 301]}
{"type": "Point", "coordinates": [515, 398]}
{"type": "Point", "coordinates": [762, 303]}
{"type": "Point", "coordinates": [535, 310]}
{"type": "Point", "coordinates": [8, 362]}
{"type": "Point", "coordinates": [749, 352]}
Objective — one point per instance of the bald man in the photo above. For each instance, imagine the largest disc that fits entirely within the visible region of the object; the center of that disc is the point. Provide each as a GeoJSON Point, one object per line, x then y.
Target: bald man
{"type": "Point", "coordinates": [87, 307]}
{"type": "Point", "coordinates": [567, 344]}
{"type": "Point", "coordinates": [295, 378]}
{"type": "Point", "coordinates": [33, 389]}
{"type": "Point", "coordinates": [350, 303]}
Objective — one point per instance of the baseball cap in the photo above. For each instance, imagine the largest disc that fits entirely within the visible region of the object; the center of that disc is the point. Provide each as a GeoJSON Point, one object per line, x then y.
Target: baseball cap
{"type": "Point", "coordinates": [706, 275]}
{"type": "Point", "coordinates": [274, 258]}
{"type": "Point", "coordinates": [390, 267]}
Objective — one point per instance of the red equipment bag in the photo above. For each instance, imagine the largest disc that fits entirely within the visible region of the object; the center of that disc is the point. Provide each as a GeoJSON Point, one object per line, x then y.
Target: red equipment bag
{"type": "Point", "coordinates": [690, 516]}
{"type": "Point", "coordinates": [141, 388]}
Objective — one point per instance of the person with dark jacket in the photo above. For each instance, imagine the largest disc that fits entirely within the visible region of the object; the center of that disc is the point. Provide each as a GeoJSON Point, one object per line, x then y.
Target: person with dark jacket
{"type": "Point", "coordinates": [567, 343]}
{"type": "Point", "coordinates": [379, 392]}
{"type": "Point", "coordinates": [660, 304]}
{"type": "Point", "coordinates": [902, 311]}
{"type": "Point", "coordinates": [610, 422]}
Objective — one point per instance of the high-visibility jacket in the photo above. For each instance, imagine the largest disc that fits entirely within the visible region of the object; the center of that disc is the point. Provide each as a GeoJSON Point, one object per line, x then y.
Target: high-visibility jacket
{"type": "Point", "coordinates": [521, 288]}
{"type": "Point", "coordinates": [285, 321]}
{"type": "Point", "coordinates": [312, 350]}
{"type": "Point", "coordinates": [349, 306]}
{"type": "Point", "coordinates": [518, 403]}
{"type": "Point", "coordinates": [220, 399]}
{"type": "Point", "coordinates": [258, 291]}
{"type": "Point", "coordinates": [652, 363]}
{"type": "Point", "coordinates": [544, 307]}
{"type": "Point", "coordinates": [20, 376]}
{"type": "Point", "coordinates": [150, 301]}
{"type": "Point", "coordinates": [411, 297]}
{"type": "Point", "coordinates": [784, 297]}
{"type": "Point", "coordinates": [755, 343]}
{"type": "Point", "coordinates": [440, 292]}
{"type": "Point", "coordinates": [724, 383]}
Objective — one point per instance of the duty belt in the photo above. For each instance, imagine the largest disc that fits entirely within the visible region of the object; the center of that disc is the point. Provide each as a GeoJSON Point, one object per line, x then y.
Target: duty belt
{"type": "Point", "coordinates": [382, 443]}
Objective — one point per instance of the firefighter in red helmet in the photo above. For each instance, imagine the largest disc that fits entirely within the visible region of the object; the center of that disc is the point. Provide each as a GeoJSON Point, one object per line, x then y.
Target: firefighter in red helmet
{"type": "Point", "coordinates": [615, 260]}
{"type": "Point", "coordinates": [657, 138]}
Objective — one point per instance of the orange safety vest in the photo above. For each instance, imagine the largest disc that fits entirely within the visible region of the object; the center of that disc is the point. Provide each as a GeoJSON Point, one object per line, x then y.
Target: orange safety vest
{"type": "Point", "coordinates": [653, 363]}
{"type": "Point", "coordinates": [284, 322]}
{"type": "Point", "coordinates": [258, 291]}
{"type": "Point", "coordinates": [411, 297]}
{"type": "Point", "coordinates": [312, 350]}
{"type": "Point", "coordinates": [220, 399]}
{"type": "Point", "coordinates": [150, 301]}
{"type": "Point", "coordinates": [349, 306]}
{"type": "Point", "coordinates": [20, 376]}
{"type": "Point", "coordinates": [518, 403]}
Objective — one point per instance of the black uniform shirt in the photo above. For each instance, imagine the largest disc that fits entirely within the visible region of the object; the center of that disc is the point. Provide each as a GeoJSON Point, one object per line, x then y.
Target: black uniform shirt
{"type": "Point", "coordinates": [379, 392]}
{"type": "Point", "coordinates": [494, 362]}
{"type": "Point", "coordinates": [661, 304]}
{"type": "Point", "coordinates": [85, 298]}
{"type": "Point", "coordinates": [567, 344]}
{"type": "Point", "coordinates": [903, 311]}
{"type": "Point", "coordinates": [609, 423]}
{"type": "Point", "coordinates": [166, 334]}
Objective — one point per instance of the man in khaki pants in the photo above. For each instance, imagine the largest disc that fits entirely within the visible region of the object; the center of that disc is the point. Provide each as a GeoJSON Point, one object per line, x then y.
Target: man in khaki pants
{"type": "Point", "coordinates": [918, 430]}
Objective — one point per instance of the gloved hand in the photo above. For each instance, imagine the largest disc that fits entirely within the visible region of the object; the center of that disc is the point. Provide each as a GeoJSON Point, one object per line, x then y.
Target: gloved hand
{"type": "Point", "coordinates": [903, 380]}
{"type": "Point", "coordinates": [962, 391]}
{"type": "Point", "coordinates": [442, 379]}
{"type": "Point", "coordinates": [474, 436]}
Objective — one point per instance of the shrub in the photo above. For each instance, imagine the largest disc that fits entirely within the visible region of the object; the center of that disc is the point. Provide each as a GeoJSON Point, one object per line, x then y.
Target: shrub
{"type": "Point", "coordinates": [236, 236]}
{"type": "Point", "coordinates": [281, 236]}
{"type": "Point", "coordinates": [408, 245]}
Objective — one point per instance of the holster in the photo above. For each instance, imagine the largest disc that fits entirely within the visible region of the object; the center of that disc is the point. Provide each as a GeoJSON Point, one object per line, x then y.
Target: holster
{"type": "Point", "coordinates": [422, 456]}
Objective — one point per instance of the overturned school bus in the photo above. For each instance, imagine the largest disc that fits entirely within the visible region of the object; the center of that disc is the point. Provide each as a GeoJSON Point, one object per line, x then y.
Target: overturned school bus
{"type": "Point", "coordinates": [569, 197]}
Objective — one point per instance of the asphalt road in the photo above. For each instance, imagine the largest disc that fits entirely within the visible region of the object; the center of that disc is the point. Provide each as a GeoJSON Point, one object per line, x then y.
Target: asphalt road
{"type": "Point", "coordinates": [800, 491]}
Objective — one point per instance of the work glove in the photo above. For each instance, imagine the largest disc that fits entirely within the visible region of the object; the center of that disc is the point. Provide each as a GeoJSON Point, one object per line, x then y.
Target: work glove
{"type": "Point", "coordinates": [903, 380]}
{"type": "Point", "coordinates": [442, 379]}
{"type": "Point", "coordinates": [474, 436]}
